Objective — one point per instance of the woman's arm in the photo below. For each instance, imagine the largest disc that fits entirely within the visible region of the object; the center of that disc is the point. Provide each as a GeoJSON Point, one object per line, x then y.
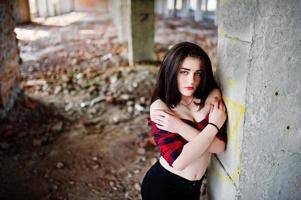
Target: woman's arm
{"type": "Point", "coordinates": [172, 123]}
{"type": "Point", "coordinates": [186, 131]}
{"type": "Point", "coordinates": [189, 133]}
{"type": "Point", "coordinates": [217, 146]}
{"type": "Point", "coordinates": [195, 148]}
{"type": "Point", "coordinates": [165, 120]}
{"type": "Point", "coordinates": [198, 143]}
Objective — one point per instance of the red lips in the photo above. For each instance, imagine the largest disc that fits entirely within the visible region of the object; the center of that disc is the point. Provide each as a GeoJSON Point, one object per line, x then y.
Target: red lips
{"type": "Point", "coordinates": [189, 88]}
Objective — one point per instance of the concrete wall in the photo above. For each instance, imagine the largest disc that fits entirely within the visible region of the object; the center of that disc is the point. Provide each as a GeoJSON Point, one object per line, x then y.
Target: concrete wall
{"type": "Point", "coordinates": [259, 50]}
{"type": "Point", "coordinates": [9, 59]}
{"type": "Point", "coordinates": [141, 31]}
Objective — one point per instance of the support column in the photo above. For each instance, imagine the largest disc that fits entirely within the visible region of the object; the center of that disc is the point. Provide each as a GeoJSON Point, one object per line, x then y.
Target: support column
{"type": "Point", "coordinates": [174, 11]}
{"type": "Point", "coordinates": [59, 8]}
{"type": "Point", "coordinates": [205, 12]}
{"type": "Point", "coordinates": [206, 6]}
{"type": "Point", "coordinates": [42, 8]}
{"type": "Point", "coordinates": [161, 8]}
{"type": "Point", "coordinates": [51, 8]}
{"type": "Point", "coordinates": [141, 34]}
{"type": "Point", "coordinates": [21, 11]}
{"type": "Point", "coordinates": [9, 59]}
{"type": "Point", "coordinates": [198, 15]}
{"type": "Point", "coordinates": [259, 51]}
{"type": "Point", "coordinates": [34, 8]}
{"type": "Point", "coordinates": [165, 9]}
{"type": "Point", "coordinates": [185, 8]}
{"type": "Point", "coordinates": [216, 13]}
{"type": "Point", "coordinates": [120, 14]}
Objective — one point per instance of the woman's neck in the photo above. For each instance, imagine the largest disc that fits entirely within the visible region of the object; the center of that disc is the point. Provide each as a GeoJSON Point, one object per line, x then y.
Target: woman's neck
{"type": "Point", "coordinates": [186, 100]}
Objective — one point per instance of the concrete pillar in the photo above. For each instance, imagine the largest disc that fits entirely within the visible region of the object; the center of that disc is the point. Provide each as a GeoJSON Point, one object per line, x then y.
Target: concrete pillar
{"type": "Point", "coordinates": [33, 8]}
{"type": "Point", "coordinates": [51, 8]}
{"type": "Point", "coordinates": [141, 32]}
{"type": "Point", "coordinates": [21, 11]}
{"type": "Point", "coordinates": [165, 9]}
{"type": "Point", "coordinates": [185, 8]}
{"type": "Point", "coordinates": [42, 8]}
{"type": "Point", "coordinates": [259, 51]}
{"type": "Point", "coordinates": [216, 13]}
{"type": "Point", "coordinates": [119, 10]}
{"type": "Point", "coordinates": [206, 5]}
{"type": "Point", "coordinates": [59, 7]}
{"type": "Point", "coordinates": [9, 59]}
{"type": "Point", "coordinates": [161, 8]}
{"type": "Point", "coordinates": [70, 5]}
{"type": "Point", "coordinates": [205, 10]}
{"type": "Point", "coordinates": [66, 6]}
{"type": "Point", "coordinates": [198, 15]}
{"type": "Point", "coordinates": [174, 9]}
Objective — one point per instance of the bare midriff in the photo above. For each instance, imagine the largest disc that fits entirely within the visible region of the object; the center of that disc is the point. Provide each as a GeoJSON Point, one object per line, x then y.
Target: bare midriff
{"type": "Point", "coordinates": [194, 171]}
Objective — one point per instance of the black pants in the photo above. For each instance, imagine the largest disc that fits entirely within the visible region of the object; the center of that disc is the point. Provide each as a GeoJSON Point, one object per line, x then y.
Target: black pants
{"type": "Point", "coordinates": [161, 184]}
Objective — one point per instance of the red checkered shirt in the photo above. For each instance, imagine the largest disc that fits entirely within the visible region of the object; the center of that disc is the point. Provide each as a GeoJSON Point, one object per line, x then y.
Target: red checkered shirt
{"type": "Point", "coordinates": [171, 144]}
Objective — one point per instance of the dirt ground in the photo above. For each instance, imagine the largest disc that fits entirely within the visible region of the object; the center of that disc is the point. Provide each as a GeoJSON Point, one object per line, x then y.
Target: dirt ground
{"type": "Point", "coordinates": [79, 128]}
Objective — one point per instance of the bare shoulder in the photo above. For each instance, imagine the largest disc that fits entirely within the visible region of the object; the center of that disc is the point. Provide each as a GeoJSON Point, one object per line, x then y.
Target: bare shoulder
{"type": "Point", "coordinates": [215, 94]}
{"type": "Point", "coordinates": [158, 105]}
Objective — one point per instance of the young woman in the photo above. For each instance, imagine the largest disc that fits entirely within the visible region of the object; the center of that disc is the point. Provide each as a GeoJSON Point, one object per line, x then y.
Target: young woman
{"type": "Point", "coordinates": [187, 115]}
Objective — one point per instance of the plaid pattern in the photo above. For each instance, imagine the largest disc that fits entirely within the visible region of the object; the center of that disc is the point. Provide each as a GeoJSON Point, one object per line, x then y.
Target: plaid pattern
{"type": "Point", "coordinates": [171, 144]}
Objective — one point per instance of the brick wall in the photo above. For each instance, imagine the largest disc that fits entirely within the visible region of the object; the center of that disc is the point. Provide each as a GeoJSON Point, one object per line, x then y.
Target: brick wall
{"type": "Point", "coordinates": [9, 59]}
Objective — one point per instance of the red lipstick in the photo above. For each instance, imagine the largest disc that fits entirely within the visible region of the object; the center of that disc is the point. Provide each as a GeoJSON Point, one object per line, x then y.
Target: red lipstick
{"type": "Point", "coordinates": [189, 88]}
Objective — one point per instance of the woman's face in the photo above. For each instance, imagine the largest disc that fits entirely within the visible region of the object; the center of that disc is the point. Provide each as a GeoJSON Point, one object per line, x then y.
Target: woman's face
{"type": "Point", "coordinates": [189, 76]}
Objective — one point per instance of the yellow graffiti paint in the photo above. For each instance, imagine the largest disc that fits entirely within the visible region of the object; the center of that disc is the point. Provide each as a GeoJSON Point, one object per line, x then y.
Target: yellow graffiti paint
{"type": "Point", "coordinates": [224, 177]}
{"type": "Point", "coordinates": [230, 82]}
{"type": "Point", "coordinates": [233, 41]}
{"type": "Point", "coordinates": [222, 31]}
{"type": "Point", "coordinates": [235, 115]}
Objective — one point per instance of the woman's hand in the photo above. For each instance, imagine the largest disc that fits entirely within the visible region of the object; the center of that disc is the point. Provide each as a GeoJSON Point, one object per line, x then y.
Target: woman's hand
{"type": "Point", "coordinates": [166, 120]}
{"type": "Point", "coordinates": [217, 113]}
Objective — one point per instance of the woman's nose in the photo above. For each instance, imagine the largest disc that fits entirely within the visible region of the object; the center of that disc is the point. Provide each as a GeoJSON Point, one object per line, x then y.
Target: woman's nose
{"type": "Point", "coordinates": [191, 78]}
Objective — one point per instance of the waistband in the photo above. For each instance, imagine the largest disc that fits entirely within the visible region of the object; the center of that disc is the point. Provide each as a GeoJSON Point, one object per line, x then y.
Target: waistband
{"type": "Point", "coordinates": [176, 177]}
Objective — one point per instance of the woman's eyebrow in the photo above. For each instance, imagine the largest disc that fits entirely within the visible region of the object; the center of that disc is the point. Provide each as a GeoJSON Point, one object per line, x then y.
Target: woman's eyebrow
{"type": "Point", "coordinates": [185, 68]}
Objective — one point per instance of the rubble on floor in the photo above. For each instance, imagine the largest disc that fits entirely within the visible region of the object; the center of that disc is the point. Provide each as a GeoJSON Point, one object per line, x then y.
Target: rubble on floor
{"type": "Point", "coordinates": [79, 129]}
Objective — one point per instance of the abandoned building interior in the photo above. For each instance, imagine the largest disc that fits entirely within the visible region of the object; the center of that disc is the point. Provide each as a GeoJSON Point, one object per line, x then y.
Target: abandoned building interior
{"type": "Point", "coordinates": [76, 79]}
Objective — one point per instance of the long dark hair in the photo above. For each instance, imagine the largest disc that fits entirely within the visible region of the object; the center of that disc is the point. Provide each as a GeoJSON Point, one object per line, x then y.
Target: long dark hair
{"type": "Point", "coordinates": [166, 88]}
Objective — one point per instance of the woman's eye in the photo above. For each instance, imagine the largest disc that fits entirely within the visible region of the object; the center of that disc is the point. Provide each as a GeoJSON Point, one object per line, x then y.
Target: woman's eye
{"type": "Point", "coordinates": [199, 74]}
{"type": "Point", "coordinates": [184, 72]}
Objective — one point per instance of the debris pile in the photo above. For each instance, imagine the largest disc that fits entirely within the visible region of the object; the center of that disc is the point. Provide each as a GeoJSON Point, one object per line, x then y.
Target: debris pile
{"type": "Point", "coordinates": [79, 130]}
